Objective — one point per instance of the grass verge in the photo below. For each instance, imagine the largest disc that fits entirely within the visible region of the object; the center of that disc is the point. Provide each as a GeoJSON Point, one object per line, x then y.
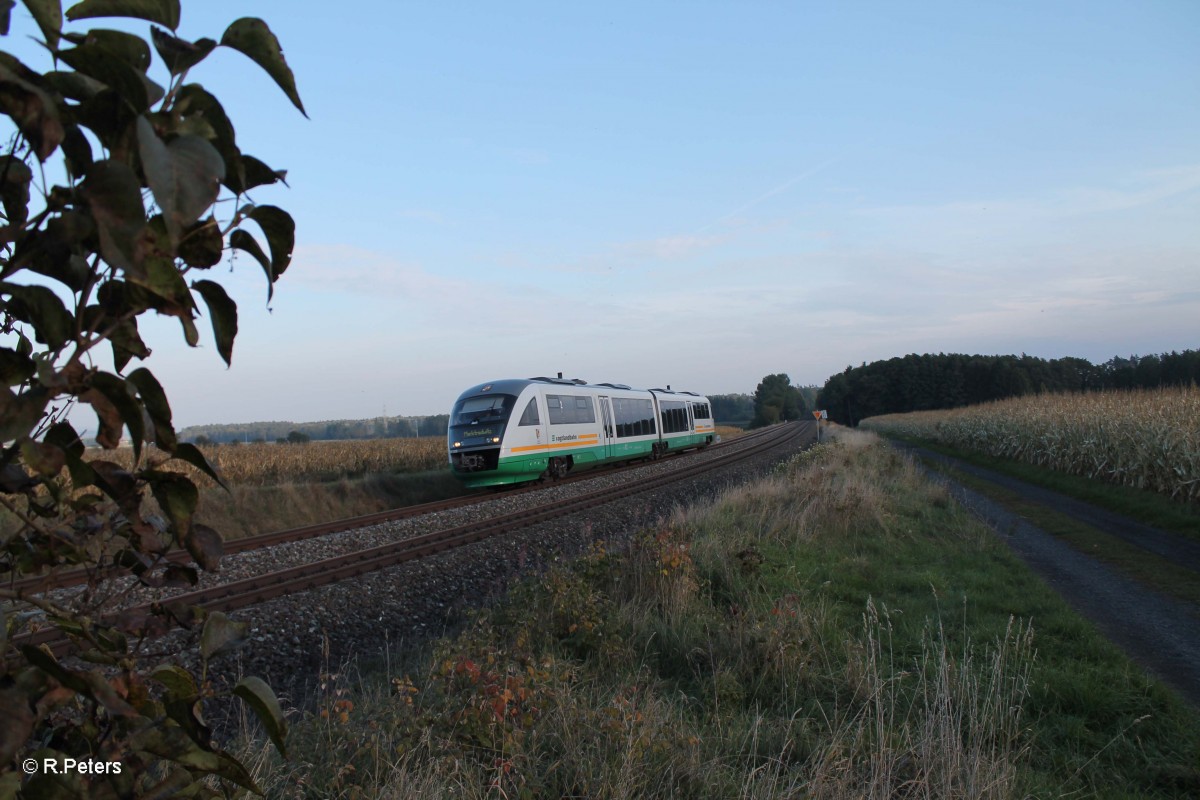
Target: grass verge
{"type": "Point", "coordinates": [840, 629]}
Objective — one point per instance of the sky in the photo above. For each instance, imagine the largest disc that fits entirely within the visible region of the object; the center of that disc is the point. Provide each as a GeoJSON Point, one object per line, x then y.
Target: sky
{"type": "Point", "coordinates": [696, 194]}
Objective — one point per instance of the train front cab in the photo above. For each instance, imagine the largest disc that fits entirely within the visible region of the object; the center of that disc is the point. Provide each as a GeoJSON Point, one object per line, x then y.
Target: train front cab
{"type": "Point", "coordinates": [483, 423]}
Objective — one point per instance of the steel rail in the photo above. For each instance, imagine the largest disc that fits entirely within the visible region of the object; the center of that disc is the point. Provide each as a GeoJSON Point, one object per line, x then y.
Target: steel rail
{"type": "Point", "coordinates": [76, 576]}
{"type": "Point", "coordinates": [249, 591]}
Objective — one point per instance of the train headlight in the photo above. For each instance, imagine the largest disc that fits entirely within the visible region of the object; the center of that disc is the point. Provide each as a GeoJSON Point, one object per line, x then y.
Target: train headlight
{"type": "Point", "coordinates": [458, 444]}
{"type": "Point", "coordinates": [495, 440]}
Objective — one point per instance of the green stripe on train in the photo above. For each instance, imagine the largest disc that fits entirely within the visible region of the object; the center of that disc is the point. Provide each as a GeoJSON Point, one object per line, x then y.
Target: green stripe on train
{"type": "Point", "coordinates": [530, 466]}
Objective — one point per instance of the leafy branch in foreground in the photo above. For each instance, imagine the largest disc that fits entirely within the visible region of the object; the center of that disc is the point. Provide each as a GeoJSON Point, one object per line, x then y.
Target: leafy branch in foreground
{"type": "Point", "coordinates": [109, 189]}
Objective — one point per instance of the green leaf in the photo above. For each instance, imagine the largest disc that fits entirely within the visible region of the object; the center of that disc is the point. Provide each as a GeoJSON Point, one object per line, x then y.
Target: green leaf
{"type": "Point", "coordinates": [280, 231]}
{"type": "Point", "coordinates": [45, 459]}
{"type": "Point", "coordinates": [55, 250]}
{"type": "Point", "coordinates": [199, 109]}
{"type": "Point", "coordinates": [131, 49]}
{"type": "Point", "coordinates": [53, 325]}
{"type": "Point", "coordinates": [20, 413]}
{"type": "Point", "coordinates": [184, 175]}
{"type": "Point", "coordinates": [188, 452]}
{"type": "Point", "coordinates": [205, 546]}
{"type": "Point", "coordinates": [220, 634]}
{"type": "Point", "coordinates": [74, 85]}
{"type": "Point", "coordinates": [118, 483]}
{"type": "Point", "coordinates": [259, 174]}
{"type": "Point", "coordinates": [261, 698]}
{"type": "Point", "coordinates": [190, 717]}
{"type": "Point", "coordinates": [164, 12]}
{"type": "Point", "coordinates": [65, 437]}
{"type": "Point", "coordinates": [110, 397]}
{"type": "Point", "coordinates": [180, 55]}
{"type": "Point", "coordinates": [49, 17]}
{"type": "Point", "coordinates": [252, 38]}
{"type": "Point", "coordinates": [164, 280]}
{"type": "Point", "coordinates": [113, 193]}
{"type": "Point", "coordinates": [78, 151]}
{"type": "Point", "coordinates": [174, 744]}
{"type": "Point", "coordinates": [31, 108]}
{"type": "Point", "coordinates": [242, 240]}
{"type": "Point", "coordinates": [15, 367]}
{"type": "Point", "coordinates": [223, 312]}
{"type": "Point", "coordinates": [155, 401]}
{"type": "Point", "coordinates": [96, 61]}
{"type": "Point", "coordinates": [202, 244]}
{"type": "Point", "coordinates": [127, 343]}
{"type": "Point", "coordinates": [177, 496]}
{"type": "Point", "coordinates": [15, 177]}
{"type": "Point", "coordinates": [178, 681]}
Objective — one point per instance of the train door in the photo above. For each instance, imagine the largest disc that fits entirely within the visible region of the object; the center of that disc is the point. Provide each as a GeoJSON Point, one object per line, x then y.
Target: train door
{"type": "Point", "coordinates": [691, 418]}
{"type": "Point", "coordinates": [606, 429]}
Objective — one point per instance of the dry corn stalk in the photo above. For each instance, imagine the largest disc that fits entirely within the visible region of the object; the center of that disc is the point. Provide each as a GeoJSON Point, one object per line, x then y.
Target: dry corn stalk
{"type": "Point", "coordinates": [1145, 438]}
{"type": "Point", "coordinates": [263, 464]}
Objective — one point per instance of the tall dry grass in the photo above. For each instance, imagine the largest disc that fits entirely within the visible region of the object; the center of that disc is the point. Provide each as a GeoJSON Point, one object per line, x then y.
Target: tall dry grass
{"type": "Point", "coordinates": [1146, 438]}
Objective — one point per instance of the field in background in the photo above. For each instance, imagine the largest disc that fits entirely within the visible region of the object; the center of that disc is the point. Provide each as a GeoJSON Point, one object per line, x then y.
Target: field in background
{"type": "Point", "coordinates": [262, 464]}
{"type": "Point", "coordinates": [1146, 439]}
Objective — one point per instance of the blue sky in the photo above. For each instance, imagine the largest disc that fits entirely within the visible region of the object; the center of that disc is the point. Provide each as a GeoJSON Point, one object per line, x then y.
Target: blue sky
{"type": "Point", "coordinates": [698, 194]}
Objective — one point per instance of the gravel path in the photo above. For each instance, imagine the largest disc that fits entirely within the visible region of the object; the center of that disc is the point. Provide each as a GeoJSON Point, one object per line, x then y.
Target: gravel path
{"type": "Point", "coordinates": [1158, 632]}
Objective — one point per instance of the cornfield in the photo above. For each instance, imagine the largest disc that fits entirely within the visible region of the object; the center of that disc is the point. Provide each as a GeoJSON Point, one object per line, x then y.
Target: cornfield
{"type": "Point", "coordinates": [269, 464]}
{"type": "Point", "coordinates": [1146, 438]}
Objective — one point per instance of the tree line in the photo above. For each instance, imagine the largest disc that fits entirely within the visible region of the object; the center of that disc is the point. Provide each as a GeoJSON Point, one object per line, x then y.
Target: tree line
{"type": "Point", "coordinates": [291, 432]}
{"type": "Point", "coordinates": [921, 382]}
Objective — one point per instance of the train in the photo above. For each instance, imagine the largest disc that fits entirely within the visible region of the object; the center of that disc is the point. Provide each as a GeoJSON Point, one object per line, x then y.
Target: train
{"type": "Point", "coordinates": [520, 430]}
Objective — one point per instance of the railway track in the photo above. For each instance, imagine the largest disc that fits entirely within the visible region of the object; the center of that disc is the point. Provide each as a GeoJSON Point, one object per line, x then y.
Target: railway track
{"type": "Point", "coordinates": [66, 578]}
{"type": "Point", "coordinates": [249, 591]}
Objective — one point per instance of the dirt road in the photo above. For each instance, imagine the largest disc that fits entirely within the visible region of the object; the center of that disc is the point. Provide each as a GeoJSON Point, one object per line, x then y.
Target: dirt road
{"type": "Point", "coordinates": [1160, 633]}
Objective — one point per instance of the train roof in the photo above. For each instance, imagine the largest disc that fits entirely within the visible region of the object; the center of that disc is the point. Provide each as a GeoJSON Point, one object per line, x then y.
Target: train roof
{"type": "Point", "coordinates": [515, 386]}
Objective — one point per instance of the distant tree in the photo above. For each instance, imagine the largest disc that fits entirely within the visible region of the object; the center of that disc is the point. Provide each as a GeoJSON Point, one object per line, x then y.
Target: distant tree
{"type": "Point", "coordinates": [109, 185]}
{"type": "Point", "coordinates": [296, 437]}
{"type": "Point", "coordinates": [776, 400]}
{"type": "Point", "coordinates": [732, 408]}
{"type": "Point", "coordinates": [203, 441]}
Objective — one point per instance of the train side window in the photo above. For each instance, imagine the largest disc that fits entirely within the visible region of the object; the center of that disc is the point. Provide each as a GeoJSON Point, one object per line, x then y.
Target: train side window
{"type": "Point", "coordinates": [558, 414]}
{"type": "Point", "coordinates": [530, 417]}
{"type": "Point", "coordinates": [584, 411]}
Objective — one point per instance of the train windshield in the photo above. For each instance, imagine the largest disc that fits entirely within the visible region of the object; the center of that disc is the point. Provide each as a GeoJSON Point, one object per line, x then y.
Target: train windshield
{"type": "Point", "coordinates": [482, 408]}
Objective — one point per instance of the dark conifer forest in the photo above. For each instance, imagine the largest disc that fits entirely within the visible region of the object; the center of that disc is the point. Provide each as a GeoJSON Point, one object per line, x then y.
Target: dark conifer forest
{"type": "Point", "coordinates": [949, 380]}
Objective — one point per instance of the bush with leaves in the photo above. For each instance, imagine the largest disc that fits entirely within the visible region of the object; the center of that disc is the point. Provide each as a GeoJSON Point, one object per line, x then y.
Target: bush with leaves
{"type": "Point", "coordinates": [109, 188]}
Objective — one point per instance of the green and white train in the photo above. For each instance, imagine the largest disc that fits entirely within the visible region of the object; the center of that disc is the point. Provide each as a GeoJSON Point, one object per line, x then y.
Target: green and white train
{"type": "Point", "coordinates": [515, 431]}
